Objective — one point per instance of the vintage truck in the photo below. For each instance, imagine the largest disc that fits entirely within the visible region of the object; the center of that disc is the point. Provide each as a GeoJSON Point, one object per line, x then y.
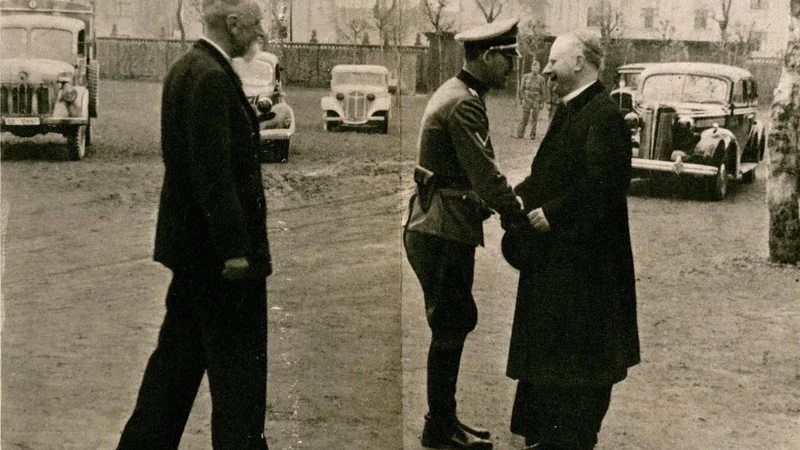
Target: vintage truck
{"type": "Point", "coordinates": [48, 72]}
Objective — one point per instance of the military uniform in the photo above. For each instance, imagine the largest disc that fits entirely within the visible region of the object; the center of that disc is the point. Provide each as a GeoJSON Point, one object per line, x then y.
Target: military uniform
{"type": "Point", "coordinates": [458, 187]}
{"type": "Point", "coordinates": [532, 93]}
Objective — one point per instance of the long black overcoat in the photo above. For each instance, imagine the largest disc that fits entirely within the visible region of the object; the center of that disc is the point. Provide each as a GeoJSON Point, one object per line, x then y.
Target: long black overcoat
{"type": "Point", "coordinates": [212, 205]}
{"type": "Point", "coordinates": [575, 317]}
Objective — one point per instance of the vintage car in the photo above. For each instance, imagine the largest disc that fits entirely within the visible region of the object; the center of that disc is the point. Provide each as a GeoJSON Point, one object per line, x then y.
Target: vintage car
{"type": "Point", "coordinates": [49, 74]}
{"type": "Point", "coordinates": [261, 82]}
{"type": "Point", "coordinates": [359, 97]}
{"type": "Point", "coordinates": [627, 82]}
{"type": "Point", "coordinates": [697, 119]}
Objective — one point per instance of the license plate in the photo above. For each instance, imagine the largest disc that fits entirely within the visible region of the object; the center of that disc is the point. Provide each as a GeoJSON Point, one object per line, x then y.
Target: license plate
{"type": "Point", "coordinates": [22, 121]}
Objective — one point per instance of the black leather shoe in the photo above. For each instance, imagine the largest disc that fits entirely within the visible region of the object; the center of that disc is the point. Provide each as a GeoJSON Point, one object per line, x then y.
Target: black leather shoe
{"type": "Point", "coordinates": [445, 434]}
{"type": "Point", "coordinates": [477, 432]}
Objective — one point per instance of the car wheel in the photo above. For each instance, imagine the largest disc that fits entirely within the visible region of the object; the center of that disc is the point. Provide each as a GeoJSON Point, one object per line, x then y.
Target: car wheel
{"type": "Point", "coordinates": [385, 125]}
{"type": "Point", "coordinates": [749, 176]}
{"type": "Point", "coordinates": [329, 126]}
{"type": "Point", "coordinates": [718, 184]}
{"type": "Point", "coordinates": [76, 143]}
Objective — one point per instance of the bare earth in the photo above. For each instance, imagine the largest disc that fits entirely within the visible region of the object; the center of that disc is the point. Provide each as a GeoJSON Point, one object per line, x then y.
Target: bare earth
{"type": "Point", "coordinates": [83, 301]}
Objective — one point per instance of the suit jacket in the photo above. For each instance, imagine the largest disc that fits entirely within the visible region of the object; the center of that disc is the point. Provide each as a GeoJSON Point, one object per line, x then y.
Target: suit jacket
{"type": "Point", "coordinates": [454, 143]}
{"type": "Point", "coordinates": [575, 317]}
{"type": "Point", "coordinates": [212, 205]}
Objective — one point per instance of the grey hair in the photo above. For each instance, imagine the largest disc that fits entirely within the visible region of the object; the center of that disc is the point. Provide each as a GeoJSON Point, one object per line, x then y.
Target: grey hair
{"type": "Point", "coordinates": [591, 47]}
{"type": "Point", "coordinates": [215, 12]}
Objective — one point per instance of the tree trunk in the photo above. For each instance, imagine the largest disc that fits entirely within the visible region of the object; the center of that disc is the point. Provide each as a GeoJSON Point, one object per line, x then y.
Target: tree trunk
{"type": "Point", "coordinates": [181, 28]}
{"type": "Point", "coordinates": [784, 144]}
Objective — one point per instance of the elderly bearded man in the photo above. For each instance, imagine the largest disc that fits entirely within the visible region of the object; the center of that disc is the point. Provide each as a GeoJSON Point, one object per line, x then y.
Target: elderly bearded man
{"type": "Point", "coordinates": [212, 234]}
{"type": "Point", "coordinates": [458, 185]}
{"type": "Point", "coordinates": [575, 329]}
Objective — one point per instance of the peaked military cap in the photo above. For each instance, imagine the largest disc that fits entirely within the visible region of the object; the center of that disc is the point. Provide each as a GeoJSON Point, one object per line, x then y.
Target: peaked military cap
{"type": "Point", "coordinates": [498, 35]}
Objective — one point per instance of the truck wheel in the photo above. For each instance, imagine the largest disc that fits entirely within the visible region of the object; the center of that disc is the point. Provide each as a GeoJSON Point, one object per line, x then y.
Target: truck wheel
{"type": "Point", "coordinates": [89, 133]}
{"type": "Point", "coordinates": [282, 151]}
{"type": "Point", "coordinates": [718, 184]}
{"type": "Point", "coordinates": [385, 125]}
{"type": "Point", "coordinates": [93, 82]}
{"type": "Point", "coordinates": [749, 176]}
{"type": "Point", "coordinates": [329, 126]}
{"type": "Point", "coordinates": [76, 143]}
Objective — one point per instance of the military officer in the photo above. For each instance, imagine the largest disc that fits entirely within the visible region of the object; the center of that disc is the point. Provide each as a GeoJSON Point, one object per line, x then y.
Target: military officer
{"type": "Point", "coordinates": [532, 93]}
{"type": "Point", "coordinates": [458, 187]}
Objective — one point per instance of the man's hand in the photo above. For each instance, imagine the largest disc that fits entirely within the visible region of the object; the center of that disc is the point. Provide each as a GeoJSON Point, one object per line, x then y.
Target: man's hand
{"type": "Point", "coordinates": [236, 269]}
{"type": "Point", "coordinates": [538, 220]}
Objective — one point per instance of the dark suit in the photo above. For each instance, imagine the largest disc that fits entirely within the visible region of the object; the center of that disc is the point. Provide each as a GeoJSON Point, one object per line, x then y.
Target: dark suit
{"type": "Point", "coordinates": [212, 209]}
{"type": "Point", "coordinates": [575, 330]}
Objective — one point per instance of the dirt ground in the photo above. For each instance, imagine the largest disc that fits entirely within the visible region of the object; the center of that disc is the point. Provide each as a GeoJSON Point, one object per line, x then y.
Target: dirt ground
{"type": "Point", "coordinates": [83, 301]}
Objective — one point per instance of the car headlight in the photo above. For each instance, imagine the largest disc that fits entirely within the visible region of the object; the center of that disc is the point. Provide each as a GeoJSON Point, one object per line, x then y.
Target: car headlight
{"type": "Point", "coordinates": [69, 93]}
{"type": "Point", "coordinates": [263, 104]}
{"type": "Point", "coordinates": [686, 122]}
{"type": "Point", "coordinates": [339, 96]}
{"type": "Point", "coordinates": [370, 97]}
{"type": "Point", "coordinates": [632, 119]}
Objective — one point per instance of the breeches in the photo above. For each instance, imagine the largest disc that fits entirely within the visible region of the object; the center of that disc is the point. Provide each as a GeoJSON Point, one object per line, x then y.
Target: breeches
{"type": "Point", "coordinates": [445, 269]}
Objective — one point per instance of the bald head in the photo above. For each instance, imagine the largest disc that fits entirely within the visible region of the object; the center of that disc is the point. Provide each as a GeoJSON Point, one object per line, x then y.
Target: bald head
{"type": "Point", "coordinates": [216, 12]}
{"type": "Point", "coordinates": [234, 25]}
{"type": "Point", "coordinates": [575, 59]}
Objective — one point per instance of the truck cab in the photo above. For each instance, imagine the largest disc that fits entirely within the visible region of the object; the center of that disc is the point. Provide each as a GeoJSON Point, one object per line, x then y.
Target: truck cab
{"type": "Point", "coordinates": [48, 72]}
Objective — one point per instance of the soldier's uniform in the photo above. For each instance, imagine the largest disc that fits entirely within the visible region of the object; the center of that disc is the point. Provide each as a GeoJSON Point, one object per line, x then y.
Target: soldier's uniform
{"type": "Point", "coordinates": [458, 186]}
{"type": "Point", "coordinates": [532, 93]}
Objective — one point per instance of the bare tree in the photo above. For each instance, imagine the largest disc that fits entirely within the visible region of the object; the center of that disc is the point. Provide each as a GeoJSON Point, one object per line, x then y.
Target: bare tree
{"type": "Point", "coordinates": [784, 154]}
{"type": "Point", "coordinates": [670, 49]}
{"type": "Point", "coordinates": [723, 17]}
{"type": "Point", "coordinates": [609, 20]}
{"type": "Point", "coordinates": [433, 10]}
{"type": "Point", "coordinates": [490, 8]}
{"type": "Point", "coordinates": [384, 15]}
{"type": "Point", "coordinates": [745, 43]}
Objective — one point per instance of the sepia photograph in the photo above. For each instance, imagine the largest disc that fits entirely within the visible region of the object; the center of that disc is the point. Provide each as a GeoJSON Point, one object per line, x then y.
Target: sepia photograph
{"type": "Point", "coordinates": [400, 224]}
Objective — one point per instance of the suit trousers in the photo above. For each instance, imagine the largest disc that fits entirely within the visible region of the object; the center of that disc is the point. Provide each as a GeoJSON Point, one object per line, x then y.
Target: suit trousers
{"type": "Point", "coordinates": [445, 269]}
{"type": "Point", "coordinates": [212, 326]}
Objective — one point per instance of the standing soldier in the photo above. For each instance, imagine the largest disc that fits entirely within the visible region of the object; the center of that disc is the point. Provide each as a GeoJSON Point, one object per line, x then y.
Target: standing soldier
{"type": "Point", "coordinates": [458, 186]}
{"type": "Point", "coordinates": [532, 93]}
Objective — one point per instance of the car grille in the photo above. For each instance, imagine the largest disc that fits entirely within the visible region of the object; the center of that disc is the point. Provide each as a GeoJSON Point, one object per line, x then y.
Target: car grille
{"type": "Point", "coordinates": [656, 139]}
{"type": "Point", "coordinates": [355, 106]}
{"type": "Point", "coordinates": [24, 100]}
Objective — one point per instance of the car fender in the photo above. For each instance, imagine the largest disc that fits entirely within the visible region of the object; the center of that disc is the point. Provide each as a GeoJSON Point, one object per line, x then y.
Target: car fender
{"type": "Point", "coordinates": [78, 108]}
{"type": "Point", "coordinates": [331, 104]}
{"type": "Point", "coordinates": [709, 142]}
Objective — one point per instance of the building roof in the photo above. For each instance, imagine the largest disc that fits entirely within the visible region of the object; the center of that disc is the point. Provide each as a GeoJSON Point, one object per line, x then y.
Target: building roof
{"type": "Point", "coordinates": [361, 68]}
{"type": "Point", "coordinates": [698, 68]}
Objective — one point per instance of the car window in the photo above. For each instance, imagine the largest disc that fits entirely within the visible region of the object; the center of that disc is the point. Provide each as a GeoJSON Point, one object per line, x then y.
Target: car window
{"type": "Point", "coordinates": [359, 78]}
{"type": "Point", "coordinates": [254, 70]}
{"type": "Point", "coordinates": [47, 43]}
{"type": "Point", "coordinates": [684, 88]}
{"type": "Point", "coordinates": [13, 42]}
{"type": "Point", "coordinates": [738, 92]}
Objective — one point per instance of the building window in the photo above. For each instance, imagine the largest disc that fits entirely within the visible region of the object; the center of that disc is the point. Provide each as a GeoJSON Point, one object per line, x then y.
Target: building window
{"type": "Point", "coordinates": [756, 40]}
{"type": "Point", "coordinates": [759, 4]}
{"type": "Point", "coordinates": [700, 19]}
{"type": "Point", "coordinates": [124, 9]}
{"type": "Point", "coordinates": [593, 17]}
{"type": "Point", "coordinates": [649, 15]}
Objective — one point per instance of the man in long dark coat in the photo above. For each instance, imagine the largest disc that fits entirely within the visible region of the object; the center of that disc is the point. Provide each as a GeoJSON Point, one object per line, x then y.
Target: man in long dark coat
{"type": "Point", "coordinates": [212, 234]}
{"type": "Point", "coordinates": [575, 330]}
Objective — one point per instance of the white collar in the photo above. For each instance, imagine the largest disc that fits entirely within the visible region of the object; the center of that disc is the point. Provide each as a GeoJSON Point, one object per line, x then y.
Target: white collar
{"type": "Point", "coordinates": [576, 92]}
{"type": "Point", "coordinates": [219, 49]}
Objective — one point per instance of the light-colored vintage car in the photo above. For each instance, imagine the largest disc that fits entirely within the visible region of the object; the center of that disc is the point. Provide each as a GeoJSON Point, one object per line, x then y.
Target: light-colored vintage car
{"type": "Point", "coordinates": [627, 83]}
{"type": "Point", "coordinates": [261, 82]}
{"type": "Point", "coordinates": [359, 97]}
{"type": "Point", "coordinates": [49, 74]}
{"type": "Point", "coordinates": [697, 119]}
